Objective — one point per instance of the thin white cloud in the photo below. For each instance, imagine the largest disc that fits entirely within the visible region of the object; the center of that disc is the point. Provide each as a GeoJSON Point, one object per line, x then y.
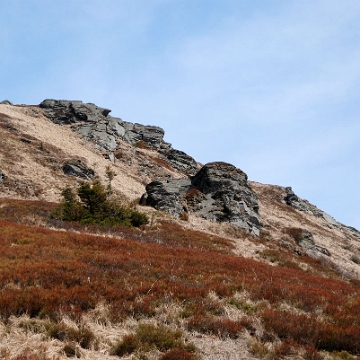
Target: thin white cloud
{"type": "Point", "coordinates": [271, 88]}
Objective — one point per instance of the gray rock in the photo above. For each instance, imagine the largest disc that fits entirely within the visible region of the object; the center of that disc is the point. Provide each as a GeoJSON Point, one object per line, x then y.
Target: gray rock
{"type": "Point", "coordinates": [111, 157]}
{"type": "Point", "coordinates": [132, 137]}
{"type": "Point", "coordinates": [218, 192]}
{"type": "Point", "coordinates": [322, 250]}
{"type": "Point", "coordinates": [232, 198]}
{"type": "Point", "coordinates": [180, 160]}
{"type": "Point", "coordinates": [116, 126]}
{"type": "Point", "coordinates": [128, 126]}
{"type": "Point", "coordinates": [167, 196]}
{"type": "Point", "coordinates": [329, 219]}
{"type": "Point", "coordinates": [6, 102]}
{"type": "Point", "coordinates": [98, 133]}
{"type": "Point", "coordinates": [305, 239]}
{"type": "Point", "coordinates": [151, 135]}
{"type": "Point", "coordinates": [104, 140]}
{"type": "Point", "coordinates": [58, 111]}
{"type": "Point", "coordinates": [165, 146]}
{"type": "Point", "coordinates": [101, 126]}
{"type": "Point", "coordinates": [2, 177]}
{"type": "Point", "coordinates": [78, 169]}
{"type": "Point", "coordinates": [69, 112]}
{"type": "Point", "coordinates": [95, 124]}
{"type": "Point", "coordinates": [85, 130]}
{"type": "Point", "coordinates": [88, 112]}
{"type": "Point", "coordinates": [351, 230]}
{"type": "Point", "coordinates": [303, 205]}
{"type": "Point", "coordinates": [293, 200]}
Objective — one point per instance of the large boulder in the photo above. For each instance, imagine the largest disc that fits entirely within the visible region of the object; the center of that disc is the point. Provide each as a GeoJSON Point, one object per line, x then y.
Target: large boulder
{"type": "Point", "coordinates": [167, 196]}
{"type": "Point", "coordinates": [151, 135]}
{"type": "Point", "coordinates": [218, 192]}
{"type": "Point", "coordinates": [228, 196]}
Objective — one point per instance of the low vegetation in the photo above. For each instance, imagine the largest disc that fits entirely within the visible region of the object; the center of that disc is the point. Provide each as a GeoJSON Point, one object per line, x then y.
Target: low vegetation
{"type": "Point", "coordinates": [48, 274]}
{"type": "Point", "coordinates": [148, 337]}
{"type": "Point", "coordinates": [91, 204]}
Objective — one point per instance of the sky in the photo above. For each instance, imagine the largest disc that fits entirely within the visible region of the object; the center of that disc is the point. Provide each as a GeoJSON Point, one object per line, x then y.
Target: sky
{"type": "Point", "coordinates": [270, 86]}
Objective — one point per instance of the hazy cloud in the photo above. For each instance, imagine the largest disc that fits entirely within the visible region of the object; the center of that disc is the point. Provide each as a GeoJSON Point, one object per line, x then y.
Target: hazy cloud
{"type": "Point", "coordinates": [272, 88]}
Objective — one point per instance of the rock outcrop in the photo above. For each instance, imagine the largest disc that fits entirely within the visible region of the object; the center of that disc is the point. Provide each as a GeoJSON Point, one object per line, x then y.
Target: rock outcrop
{"type": "Point", "coordinates": [6, 102]}
{"type": "Point", "coordinates": [78, 169]}
{"type": "Point", "coordinates": [293, 200]}
{"type": "Point", "coordinates": [167, 196]}
{"type": "Point", "coordinates": [218, 192]}
{"type": "Point", "coordinates": [95, 124]}
{"type": "Point", "coordinates": [303, 205]}
{"type": "Point", "coordinates": [180, 160]}
{"type": "Point", "coordinates": [68, 112]}
{"type": "Point", "coordinates": [307, 242]}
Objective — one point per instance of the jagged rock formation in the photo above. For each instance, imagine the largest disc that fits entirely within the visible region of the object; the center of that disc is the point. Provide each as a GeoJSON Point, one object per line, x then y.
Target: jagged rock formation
{"type": "Point", "coordinates": [95, 124]}
{"type": "Point", "coordinates": [219, 192]}
{"type": "Point", "coordinates": [233, 201]}
{"type": "Point", "coordinates": [293, 200]}
{"type": "Point", "coordinates": [303, 205]}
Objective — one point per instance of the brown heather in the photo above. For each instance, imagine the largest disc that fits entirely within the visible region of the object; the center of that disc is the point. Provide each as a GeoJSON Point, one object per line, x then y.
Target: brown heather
{"type": "Point", "coordinates": [169, 290]}
{"type": "Point", "coordinates": [48, 273]}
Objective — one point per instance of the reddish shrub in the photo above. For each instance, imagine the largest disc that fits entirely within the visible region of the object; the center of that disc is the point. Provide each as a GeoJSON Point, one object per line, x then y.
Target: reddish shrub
{"type": "Point", "coordinates": [311, 353]}
{"type": "Point", "coordinates": [178, 354]}
{"type": "Point", "coordinates": [44, 272]}
{"type": "Point", "coordinates": [221, 327]}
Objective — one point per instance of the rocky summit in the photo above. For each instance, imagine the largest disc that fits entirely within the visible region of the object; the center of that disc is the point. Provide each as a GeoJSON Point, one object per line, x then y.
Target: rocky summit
{"type": "Point", "coordinates": [95, 124]}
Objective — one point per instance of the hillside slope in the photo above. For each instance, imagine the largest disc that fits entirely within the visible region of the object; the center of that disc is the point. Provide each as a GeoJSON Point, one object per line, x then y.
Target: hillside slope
{"type": "Point", "coordinates": [222, 287]}
{"type": "Point", "coordinates": [34, 151]}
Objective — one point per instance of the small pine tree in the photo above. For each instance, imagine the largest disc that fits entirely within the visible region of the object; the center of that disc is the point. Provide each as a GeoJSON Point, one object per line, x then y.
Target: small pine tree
{"type": "Point", "coordinates": [70, 209]}
{"type": "Point", "coordinates": [94, 207]}
{"type": "Point", "coordinates": [93, 196]}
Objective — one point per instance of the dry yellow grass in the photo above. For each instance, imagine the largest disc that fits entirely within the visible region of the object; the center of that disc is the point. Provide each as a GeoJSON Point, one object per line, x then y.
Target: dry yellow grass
{"type": "Point", "coordinates": [34, 169]}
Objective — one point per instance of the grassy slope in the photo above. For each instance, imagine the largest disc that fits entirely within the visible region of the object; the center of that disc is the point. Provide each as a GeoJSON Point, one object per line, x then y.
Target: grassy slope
{"type": "Point", "coordinates": [82, 290]}
{"type": "Point", "coordinates": [48, 274]}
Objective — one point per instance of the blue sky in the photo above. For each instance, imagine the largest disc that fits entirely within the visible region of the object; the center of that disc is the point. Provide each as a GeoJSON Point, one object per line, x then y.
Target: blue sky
{"type": "Point", "coordinates": [269, 86]}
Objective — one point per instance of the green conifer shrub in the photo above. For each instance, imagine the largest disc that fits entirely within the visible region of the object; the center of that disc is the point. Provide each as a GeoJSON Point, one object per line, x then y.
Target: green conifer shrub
{"type": "Point", "coordinates": [90, 204]}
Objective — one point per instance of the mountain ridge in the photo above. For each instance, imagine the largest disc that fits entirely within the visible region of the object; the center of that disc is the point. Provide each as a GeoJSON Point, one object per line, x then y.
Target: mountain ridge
{"type": "Point", "coordinates": [39, 157]}
{"type": "Point", "coordinates": [139, 151]}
